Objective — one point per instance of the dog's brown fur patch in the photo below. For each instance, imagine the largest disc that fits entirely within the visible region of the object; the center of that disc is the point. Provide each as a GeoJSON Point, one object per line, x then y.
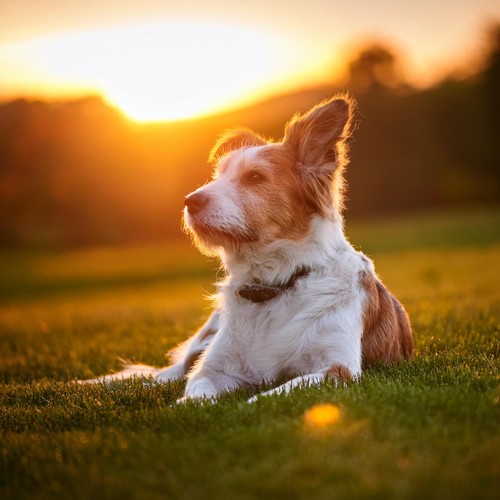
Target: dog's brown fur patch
{"type": "Point", "coordinates": [284, 212]}
{"type": "Point", "coordinates": [387, 334]}
{"type": "Point", "coordinates": [208, 333]}
{"type": "Point", "coordinates": [191, 359]}
{"type": "Point", "coordinates": [234, 139]}
{"type": "Point", "coordinates": [339, 372]}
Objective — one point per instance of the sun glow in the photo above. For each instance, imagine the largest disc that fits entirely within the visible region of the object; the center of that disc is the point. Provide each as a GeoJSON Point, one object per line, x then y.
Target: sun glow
{"type": "Point", "coordinates": [162, 71]}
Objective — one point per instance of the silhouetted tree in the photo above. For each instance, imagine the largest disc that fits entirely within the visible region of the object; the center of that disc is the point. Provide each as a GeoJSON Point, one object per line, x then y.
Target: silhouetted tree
{"type": "Point", "coordinates": [375, 67]}
{"type": "Point", "coordinates": [490, 83]}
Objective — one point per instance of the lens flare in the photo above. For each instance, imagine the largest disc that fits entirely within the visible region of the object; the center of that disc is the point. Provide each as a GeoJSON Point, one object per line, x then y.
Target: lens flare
{"type": "Point", "coordinates": [322, 415]}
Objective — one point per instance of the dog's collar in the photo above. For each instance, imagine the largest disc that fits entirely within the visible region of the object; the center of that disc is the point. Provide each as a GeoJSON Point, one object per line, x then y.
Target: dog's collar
{"type": "Point", "coordinates": [258, 292]}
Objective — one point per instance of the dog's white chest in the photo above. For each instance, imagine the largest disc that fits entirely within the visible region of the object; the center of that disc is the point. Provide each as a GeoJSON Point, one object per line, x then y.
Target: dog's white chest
{"type": "Point", "coordinates": [270, 337]}
{"type": "Point", "coordinates": [287, 334]}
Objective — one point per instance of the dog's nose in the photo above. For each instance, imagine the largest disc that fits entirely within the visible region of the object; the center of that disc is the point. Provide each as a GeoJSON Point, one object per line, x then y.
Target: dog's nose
{"type": "Point", "coordinates": [196, 202]}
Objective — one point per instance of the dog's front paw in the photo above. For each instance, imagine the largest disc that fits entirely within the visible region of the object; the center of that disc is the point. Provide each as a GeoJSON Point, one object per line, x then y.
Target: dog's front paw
{"type": "Point", "coordinates": [262, 395]}
{"type": "Point", "coordinates": [202, 400]}
{"type": "Point", "coordinates": [183, 400]}
{"type": "Point", "coordinates": [201, 389]}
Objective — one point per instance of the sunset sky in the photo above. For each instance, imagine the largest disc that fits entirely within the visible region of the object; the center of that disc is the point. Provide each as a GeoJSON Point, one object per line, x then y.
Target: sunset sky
{"type": "Point", "coordinates": [169, 59]}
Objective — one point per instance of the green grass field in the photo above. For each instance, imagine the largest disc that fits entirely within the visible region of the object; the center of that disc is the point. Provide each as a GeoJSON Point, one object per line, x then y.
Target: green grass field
{"type": "Point", "coordinates": [425, 429]}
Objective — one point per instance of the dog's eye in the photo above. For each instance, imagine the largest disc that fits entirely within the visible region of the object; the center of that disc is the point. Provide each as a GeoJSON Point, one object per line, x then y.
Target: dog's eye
{"type": "Point", "coordinates": [253, 177]}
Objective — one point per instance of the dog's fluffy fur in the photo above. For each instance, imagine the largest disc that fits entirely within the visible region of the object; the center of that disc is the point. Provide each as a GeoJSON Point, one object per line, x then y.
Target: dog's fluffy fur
{"type": "Point", "coordinates": [274, 208]}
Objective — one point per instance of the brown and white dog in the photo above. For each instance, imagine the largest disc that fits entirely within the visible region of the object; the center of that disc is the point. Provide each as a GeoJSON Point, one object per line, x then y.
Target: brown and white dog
{"type": "Point", "coordinates": [298, 301]}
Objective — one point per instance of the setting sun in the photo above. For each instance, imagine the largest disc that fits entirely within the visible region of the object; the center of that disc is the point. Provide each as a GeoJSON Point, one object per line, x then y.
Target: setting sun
{"type": "Point", "coordinates": [164, 71]}
{"type": "Point", "coordinates": [162, 61]}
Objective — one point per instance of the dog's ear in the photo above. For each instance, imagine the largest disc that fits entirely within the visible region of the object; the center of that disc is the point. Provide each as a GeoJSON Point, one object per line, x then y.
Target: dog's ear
{"type": "Point", "coordinates": [234, 139]}
{"type": "Point", "coordinates": [314, 134]}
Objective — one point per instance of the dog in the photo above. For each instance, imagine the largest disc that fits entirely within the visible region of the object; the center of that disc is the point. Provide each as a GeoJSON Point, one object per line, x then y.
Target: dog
{"type": "Point", "coordinates": [298, 302]}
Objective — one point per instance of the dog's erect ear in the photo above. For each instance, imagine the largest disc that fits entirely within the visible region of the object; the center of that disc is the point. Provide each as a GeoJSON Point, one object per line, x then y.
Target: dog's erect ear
{"type": "Point", "coordinates": [231, 140]}
{"type": "Point", "coordinates": [314, 134]}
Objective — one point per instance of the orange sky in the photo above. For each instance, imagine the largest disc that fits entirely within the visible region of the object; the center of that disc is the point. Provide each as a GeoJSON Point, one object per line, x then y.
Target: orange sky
{"type": "Point", "coordinates": [160, 59]}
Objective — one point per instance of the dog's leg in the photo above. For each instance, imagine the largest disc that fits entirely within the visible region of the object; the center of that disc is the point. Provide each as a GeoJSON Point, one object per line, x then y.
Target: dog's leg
{"type": "Point", "coordinates": [186, 355]}
{"type": "Point", "coordinates": [337, 373]}
{"type": "Point", "coordinates": [209, 385]}
{"type": "Point", "coordinates": [287, 387]}
{"type": "Point", "coordinates": [218, 371]}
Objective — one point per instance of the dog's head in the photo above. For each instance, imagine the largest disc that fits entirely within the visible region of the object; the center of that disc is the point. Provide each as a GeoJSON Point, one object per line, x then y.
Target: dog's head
{"type": "Point", "coordinates": [263, 191]}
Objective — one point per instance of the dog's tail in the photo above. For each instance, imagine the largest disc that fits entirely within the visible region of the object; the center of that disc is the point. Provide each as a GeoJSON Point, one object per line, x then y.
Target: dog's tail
{"type": "Point", "coordinates": [183, 356]}
{"type": "Point", "coordinates": [129, 371]}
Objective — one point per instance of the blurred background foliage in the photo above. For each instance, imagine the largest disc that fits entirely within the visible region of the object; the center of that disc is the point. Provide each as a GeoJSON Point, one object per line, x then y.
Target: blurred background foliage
{"type": "Point", "coordinates": [76, 173]}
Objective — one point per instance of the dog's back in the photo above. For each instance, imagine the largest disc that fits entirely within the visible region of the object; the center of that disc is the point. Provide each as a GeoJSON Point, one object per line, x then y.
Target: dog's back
{"type": "Point", "coordinates": [387, 336]}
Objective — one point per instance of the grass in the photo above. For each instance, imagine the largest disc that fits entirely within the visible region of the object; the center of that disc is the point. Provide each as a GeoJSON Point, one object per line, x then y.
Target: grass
{"type": "Point", "coordinates": [425, 429]}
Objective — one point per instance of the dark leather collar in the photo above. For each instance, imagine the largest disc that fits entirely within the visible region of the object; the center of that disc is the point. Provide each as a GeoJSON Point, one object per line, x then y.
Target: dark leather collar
{"type": "Point", "coordinates": [258, 292]}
